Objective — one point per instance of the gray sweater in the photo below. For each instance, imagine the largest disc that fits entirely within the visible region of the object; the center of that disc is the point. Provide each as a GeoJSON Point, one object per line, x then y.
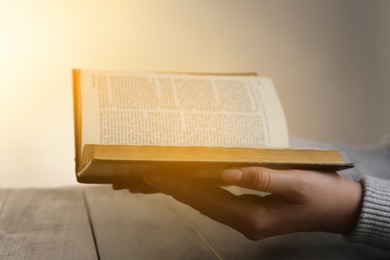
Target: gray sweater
{"type": "Point", "coordinates": [373, 226]}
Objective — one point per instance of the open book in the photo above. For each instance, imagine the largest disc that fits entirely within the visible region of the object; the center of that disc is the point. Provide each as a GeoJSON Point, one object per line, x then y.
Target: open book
{"type": "Point", "coordinates": [130, 123]}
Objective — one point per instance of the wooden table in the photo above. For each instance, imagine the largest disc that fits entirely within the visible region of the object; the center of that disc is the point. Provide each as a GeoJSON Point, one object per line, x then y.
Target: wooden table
{"type": "Point", "coordinates": [99, 223]}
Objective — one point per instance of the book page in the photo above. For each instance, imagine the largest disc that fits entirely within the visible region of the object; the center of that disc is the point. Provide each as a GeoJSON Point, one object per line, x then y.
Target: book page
{"type": "Point", "coordinates": [180, 110]}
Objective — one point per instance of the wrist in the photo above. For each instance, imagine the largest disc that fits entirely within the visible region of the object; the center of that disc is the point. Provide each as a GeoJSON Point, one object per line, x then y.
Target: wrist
{"type": "Point", "coordinates": [351, 207]}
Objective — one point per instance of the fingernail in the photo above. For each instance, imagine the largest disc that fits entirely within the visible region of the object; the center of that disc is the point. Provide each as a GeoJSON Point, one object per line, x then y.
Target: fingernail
{"type": "Point", "coordinates": [232, 175]}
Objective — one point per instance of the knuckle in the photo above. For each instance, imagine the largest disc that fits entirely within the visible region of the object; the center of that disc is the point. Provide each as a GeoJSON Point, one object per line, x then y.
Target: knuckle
{"type": "Point", "coordinates": [252, 236]}
{"type": "Point", "coordinates": [254, 227]}
{"type": "Point", "coordinates": [254, 231]}
{"type": "Point", "coordinates": [259, 178]}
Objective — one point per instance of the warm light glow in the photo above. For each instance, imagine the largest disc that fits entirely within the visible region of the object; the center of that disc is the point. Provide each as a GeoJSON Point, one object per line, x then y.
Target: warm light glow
{"type": "Point", "coordinates": [307, 51]}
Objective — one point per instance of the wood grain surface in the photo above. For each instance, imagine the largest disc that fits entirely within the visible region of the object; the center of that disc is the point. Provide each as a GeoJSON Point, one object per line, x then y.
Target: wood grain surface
{"type": "Point", "coordinates": [96, 222]}
{"type": "Point", "coordinates": [45, 224]}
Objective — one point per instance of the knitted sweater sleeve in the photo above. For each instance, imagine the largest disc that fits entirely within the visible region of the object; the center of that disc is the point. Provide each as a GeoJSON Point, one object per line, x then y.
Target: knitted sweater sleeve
{"type": "Point", "coordinates": [373, 225]}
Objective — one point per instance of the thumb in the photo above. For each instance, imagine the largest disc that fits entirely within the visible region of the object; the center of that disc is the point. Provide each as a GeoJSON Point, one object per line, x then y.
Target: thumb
{"type": "Point", "coordinates": [280, 182]}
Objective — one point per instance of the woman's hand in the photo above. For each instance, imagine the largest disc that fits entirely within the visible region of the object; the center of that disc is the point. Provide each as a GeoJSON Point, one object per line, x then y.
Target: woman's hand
{"type": "Point", "coordinates": [300, 201]}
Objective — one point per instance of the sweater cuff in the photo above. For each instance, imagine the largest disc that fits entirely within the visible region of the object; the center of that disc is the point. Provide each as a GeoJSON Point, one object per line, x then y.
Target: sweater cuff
{"type": "Point", "coordinates": [373, 225]}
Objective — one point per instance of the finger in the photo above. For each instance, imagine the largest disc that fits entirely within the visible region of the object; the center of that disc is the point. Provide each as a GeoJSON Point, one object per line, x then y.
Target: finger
{"type": "Point", "coordinates": [282, 182]}
{"type": "Point", "coordinates": [135, 186]}
{"type": "Point", "coordinates": [211, 201]}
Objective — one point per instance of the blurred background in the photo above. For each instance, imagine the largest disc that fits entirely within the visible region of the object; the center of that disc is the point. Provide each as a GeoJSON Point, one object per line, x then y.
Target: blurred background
{"type": "Point", "coordinates": [329, 60]}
